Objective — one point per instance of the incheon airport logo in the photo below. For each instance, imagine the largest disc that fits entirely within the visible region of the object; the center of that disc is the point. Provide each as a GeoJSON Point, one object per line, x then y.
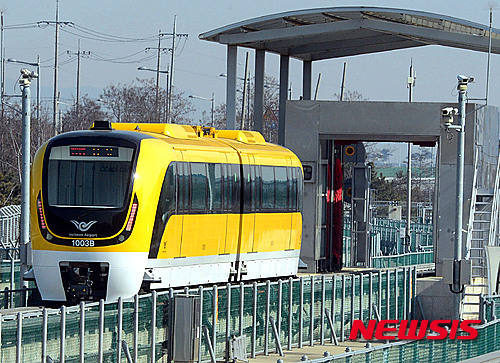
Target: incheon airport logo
{"type": "Point", "coordinates": [83, 226]}
{"type": "Point", "coordinates": [414, 329]}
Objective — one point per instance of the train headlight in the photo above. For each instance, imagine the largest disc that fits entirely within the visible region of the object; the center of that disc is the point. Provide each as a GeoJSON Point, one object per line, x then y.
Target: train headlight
{"type": "Point", "coordinates": [49, 237]}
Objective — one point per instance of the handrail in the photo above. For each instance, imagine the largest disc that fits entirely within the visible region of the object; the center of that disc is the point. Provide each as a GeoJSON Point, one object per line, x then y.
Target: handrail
{"type": "Point", "coordinates": [472, 208]}
{"type": "Point", "coordinates": [494, 208]}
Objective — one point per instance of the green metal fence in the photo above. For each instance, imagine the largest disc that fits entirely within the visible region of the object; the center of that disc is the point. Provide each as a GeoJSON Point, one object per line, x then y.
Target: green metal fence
{"type": "Point", "coordinates": [299, 308]}
{"type": "Point", "coordinates": [490, 308]}
{"type": "Point", "coordinates": [387, 237]}
{"type": "Point", "coordinates": [392, 238]}
{"type": "Point", "coordinates": [443, 351]}
{"type": "Point", "coordinates": [12, 292]}
{"type": "Point", "coordinates": [406, 259]}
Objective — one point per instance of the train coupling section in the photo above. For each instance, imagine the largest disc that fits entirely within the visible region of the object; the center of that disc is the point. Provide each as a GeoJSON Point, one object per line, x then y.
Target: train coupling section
{"type": "Point", "coordinates": [84, 281]}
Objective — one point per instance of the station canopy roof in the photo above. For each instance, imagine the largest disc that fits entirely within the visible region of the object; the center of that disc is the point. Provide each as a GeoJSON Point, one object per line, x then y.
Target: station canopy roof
{"type": "Point", "coordinates": [317, 34]}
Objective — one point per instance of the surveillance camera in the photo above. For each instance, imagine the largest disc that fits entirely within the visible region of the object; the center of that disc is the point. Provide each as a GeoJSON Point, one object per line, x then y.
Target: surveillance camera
{"type": "Point", "coordinates": [449, 111]}
{"type": "Point", "coordinates": [465, 79]}
{"type": "Point", "coordinates": [447, 115]}
{"type": "Point", "coordinates": [26, 73]}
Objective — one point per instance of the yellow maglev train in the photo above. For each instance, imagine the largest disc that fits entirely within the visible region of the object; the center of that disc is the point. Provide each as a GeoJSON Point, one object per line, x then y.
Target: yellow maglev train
{"type": "Point", "coordinates": [126, 205]}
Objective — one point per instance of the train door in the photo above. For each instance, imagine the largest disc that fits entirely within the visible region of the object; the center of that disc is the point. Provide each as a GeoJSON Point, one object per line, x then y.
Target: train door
{"type": "Point", "coordinates": [218, 220]}
{"type": "Point", "coordinates": [291, 201]}
{"type": "Point", "coordinates": [248, 203]}
{"type": "Point", "coordinates": [182, 200]}
{"type": "Point", "coordinates": [169, 222]}
{"type": "Point", "coordinates": [231, 205]}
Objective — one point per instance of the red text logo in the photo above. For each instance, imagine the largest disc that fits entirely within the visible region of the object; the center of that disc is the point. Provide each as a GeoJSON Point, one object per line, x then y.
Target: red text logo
{"type": "Point", "coordinates": [413, 329]}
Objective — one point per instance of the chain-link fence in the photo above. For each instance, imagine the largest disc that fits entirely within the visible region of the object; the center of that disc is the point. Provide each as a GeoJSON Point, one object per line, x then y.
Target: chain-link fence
{"type": "Point", "coordinates": [293, 312]}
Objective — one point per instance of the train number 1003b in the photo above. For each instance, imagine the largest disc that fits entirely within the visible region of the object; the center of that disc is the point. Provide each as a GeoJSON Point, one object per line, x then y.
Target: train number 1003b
{"type": "Point", "coordinates": [83, 243]}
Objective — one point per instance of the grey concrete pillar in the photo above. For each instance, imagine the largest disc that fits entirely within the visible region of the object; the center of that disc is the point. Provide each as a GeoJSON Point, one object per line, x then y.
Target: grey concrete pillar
{"type": "Point", "coordinates": [231, 67]}
{"type": "Point", "coordinates": [258, 108]}
{"type": "Point", "coordinates": [284, 70]}
{"type": "Point", "coordinates": [306, 80]}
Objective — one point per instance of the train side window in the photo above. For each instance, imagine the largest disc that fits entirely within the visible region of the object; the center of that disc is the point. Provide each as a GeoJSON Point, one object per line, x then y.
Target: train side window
{"type": "Point", "coordinates": [214, 187]}
{"type": "Point", "coordinates": [169, 190]}
{"type": "Point", "coordinates": [198, 186]}
{"type": "Point", "coordinates": [227, 197]}
{"type": "Point", "coordinates": [256, 188]}
{"type": "Point", "coordinates": [293, 188]}
{"type": "Point", "coordinates": [290, 173]}
{"type": "Point", "coordinates": [258, 185]}
{"type": "Point", "coordinates": [281, 187]}
{"type": "Point", "coordinates": [300, 189]}
{"type": "Point", "coordinates": [248, 205]}
{"type": "Point", "coordinates": [235, 180]}
{"type": "Point", "coordinates": [268, 191]}
{"type": "Point", "coordinates": [183, 186]}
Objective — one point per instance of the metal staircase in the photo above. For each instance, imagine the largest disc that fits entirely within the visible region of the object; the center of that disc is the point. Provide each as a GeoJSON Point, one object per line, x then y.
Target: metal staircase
{"type": "Point", "coordinates": [481, 222]}
{"type": "Point", "coordinates": [482, 231]}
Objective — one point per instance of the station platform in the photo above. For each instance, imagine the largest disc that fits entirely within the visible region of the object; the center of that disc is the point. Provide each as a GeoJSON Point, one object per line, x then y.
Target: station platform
{"type": "Point", "coordinates": [314, 352]}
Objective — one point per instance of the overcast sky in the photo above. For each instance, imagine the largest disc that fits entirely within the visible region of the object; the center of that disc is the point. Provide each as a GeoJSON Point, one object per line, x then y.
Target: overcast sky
{"type": "Point", "coordinates": [379, 77]}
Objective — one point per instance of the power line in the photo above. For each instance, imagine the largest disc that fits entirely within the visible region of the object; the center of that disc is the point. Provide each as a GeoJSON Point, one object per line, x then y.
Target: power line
{"type": "Point", "coordinates": [89, 34]}
{"type": "Point", "coordinates": [101, 55]}
{"type": "Point", "coordinates": [110, 36]}
{"type": "Point", "coordinates": [97, 57]}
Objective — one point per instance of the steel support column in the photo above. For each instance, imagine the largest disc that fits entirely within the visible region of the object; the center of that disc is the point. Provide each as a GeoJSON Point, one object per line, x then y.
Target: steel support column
{"type": "Point", "coordinates": [232, 57]}
{"type": "Point", "coordinates": [284, 70]}
{"type": "Point", "coordinates": [258, 114]}
{"type": "Point", "coordinates": [306, 80]}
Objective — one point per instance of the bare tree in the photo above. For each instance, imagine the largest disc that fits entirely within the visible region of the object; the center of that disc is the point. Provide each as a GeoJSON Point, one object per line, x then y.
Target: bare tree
{"type": "Point", "coordinates": [135, 102]}
{"type": "Point", "coordinates": [351, 96]}
{"type": "Point", "coordinates": [270, 116]}
{"type": "Point", "coordinates": [10, 144]}
{"type": "Point", "coordinates": [88, 112]}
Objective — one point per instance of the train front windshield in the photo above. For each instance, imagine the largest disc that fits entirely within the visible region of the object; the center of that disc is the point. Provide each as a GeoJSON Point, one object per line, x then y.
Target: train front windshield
{"type": "Point", "coordinates": [88, 176]}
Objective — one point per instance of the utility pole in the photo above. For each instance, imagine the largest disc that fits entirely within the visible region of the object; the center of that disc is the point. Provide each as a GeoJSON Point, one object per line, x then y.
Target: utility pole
{"type": "Point", "coordinates": [489, 56]}
{"type": "Point", "coordinates": [159, 50]}
{"type": "Point", "coordinates": [462, 90]}
{"type": "Point", "coordinates": [2, 56]}
{"type": "Point", "coordinates": [57, 127]}
{"type": "Point", "coordinates": [79, 54]}
{"type": "Point", "coordinates": [245, 86]}
{"type": "Point", "coordinates": [172, 64]}
{"type": "Point", "coordinates": [342, 87]}
{"type": "Point", "coordinates": [410, 85]}
{"type": "Point", "coordinates": [26, 77]}
{"type": "Point", "coordinates": [38, 98]}
{"type": "Point", "coordinates": [317, 87]}
{"type": "Point", "coordinates": [171, 80]}
{"type": "Point", "coordinates": [57, 23]}
{"type": "Point", "coordinates": [157, 104]}
{"type": "Point", "coordinates": [167, 93]}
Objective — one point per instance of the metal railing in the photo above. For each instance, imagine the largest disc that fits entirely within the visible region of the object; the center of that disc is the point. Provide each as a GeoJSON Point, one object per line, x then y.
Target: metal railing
{"type": "Point", "coordinates": [9, 226]}
{"type": "Point", "coordinates": [472, 208]}
{"type": "Point", "coordinates": [426, 350]}
{"type": "Point", "coordinates": [492, 239]}
{"type": "Point", "coordinates": [305, 311]}
{"type": "Point", "coordinates": [406, 259]}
